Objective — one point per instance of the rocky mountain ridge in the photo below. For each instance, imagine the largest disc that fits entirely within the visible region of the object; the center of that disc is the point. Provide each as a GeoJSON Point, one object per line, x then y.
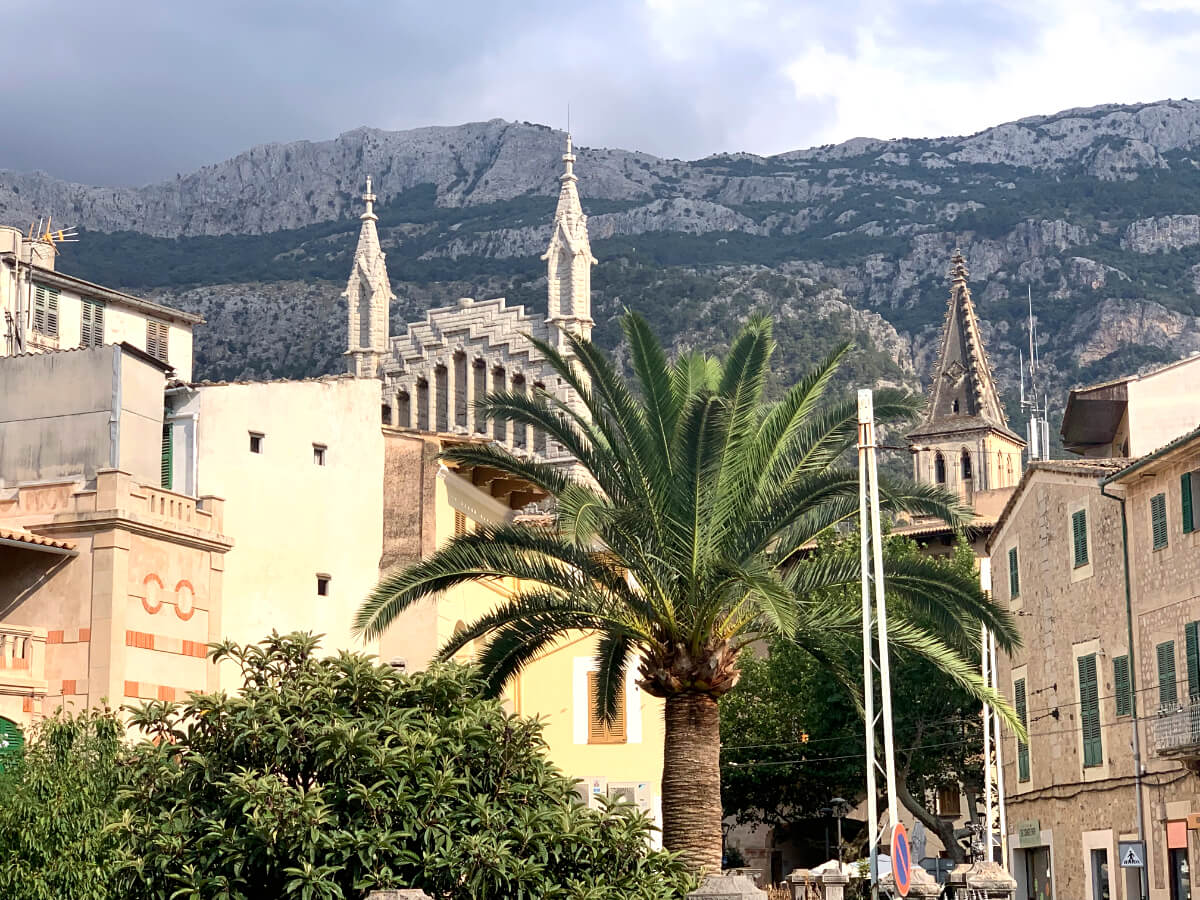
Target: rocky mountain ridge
{"type": "Point", "coordinates": [1094, 211]}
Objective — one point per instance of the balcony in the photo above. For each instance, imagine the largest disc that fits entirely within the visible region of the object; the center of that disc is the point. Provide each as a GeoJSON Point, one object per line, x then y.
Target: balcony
{"type": "Point", "coordinates": [23, 663]}
{"type": "Point", "coordinates": [1176, 734]}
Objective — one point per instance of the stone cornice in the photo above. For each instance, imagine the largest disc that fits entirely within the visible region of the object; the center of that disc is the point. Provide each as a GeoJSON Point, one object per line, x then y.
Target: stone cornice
{"type": "Point", "coordinates": [122, 519]}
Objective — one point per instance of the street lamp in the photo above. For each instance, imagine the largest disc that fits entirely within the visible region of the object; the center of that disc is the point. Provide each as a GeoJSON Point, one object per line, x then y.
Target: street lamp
{"type": "Point", "coordinates": [840, 806]}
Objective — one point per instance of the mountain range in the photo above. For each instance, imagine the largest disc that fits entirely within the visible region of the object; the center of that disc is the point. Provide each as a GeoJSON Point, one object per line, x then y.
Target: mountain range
{"type": "Point", "coordinates": [1092, 212]}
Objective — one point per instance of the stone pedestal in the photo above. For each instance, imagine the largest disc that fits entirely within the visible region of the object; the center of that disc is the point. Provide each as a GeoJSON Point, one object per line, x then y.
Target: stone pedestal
{"type": "Point", "coordinates": [402, 894]}
{"type": "Point", "coordinates": [922, 885]}
{"type": "Point", "coordinates": [987, 879]}
{"type": "Point", "coordinates": [727, 887]}
{"type": "Point", "coordinates": [833, 885]}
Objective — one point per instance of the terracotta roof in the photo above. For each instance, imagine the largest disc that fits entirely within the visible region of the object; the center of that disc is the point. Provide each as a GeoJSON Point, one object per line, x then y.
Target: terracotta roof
{"type": "Point", "coordinates": [923, 528]}
{"type": "Point", "coordinates": [26, 537]}
{"type": "Point", "coordinates": [1079, 468]}
{"type": "Point", "coordinates": [246, 381]}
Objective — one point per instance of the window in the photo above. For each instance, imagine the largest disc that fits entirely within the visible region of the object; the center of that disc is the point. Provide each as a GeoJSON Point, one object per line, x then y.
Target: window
{"type": "Point", "coordinates": [45, 310]}
{"type": "Point", "coordinates": [1023, 717]}
{"type": "Point", "coordinates": [91, 323]}
{"type": "Point", "coordinates": [1100, 886]}
{"type": "Point", "coordinates": [1168, 697]}
{"type": "Point", "coordinates": [949, 802]}
{"type": "Point", "coordinates": [156, 339]}
{"type": "Point", "coordinates": [1189, 487]}
{"type": "Point", "coordinates": [319, 454]}
{"type": "Point", "coordinates": [1158, 520]}
{"type": "Point", "coordinates": [1121, 685]}
{"type": "Point", "coordinates": [939, 468]}
{"type": "Point", "coordinates": [256, 442]}
{"type": "Point", "coordinates": [1079, 537]}
{"type": "Point", "coordinates": [168, 456]}
{"type": "Point", "coordinates": [1191, 633]}
{"type": "Point", "coordinates": [1014, 574]}
{"type": "Point", "coordinates": [600, 732]}
{"type": "Point", "coordinates": [966, 465]}
{"type": "Point", "coordinates": [323, 585]}
{"type": "Point", "coordinates": [1089, 715]}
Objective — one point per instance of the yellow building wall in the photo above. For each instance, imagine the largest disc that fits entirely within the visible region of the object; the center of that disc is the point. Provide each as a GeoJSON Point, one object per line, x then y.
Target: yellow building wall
{"type": "Point", "coordinates": [554, 687]}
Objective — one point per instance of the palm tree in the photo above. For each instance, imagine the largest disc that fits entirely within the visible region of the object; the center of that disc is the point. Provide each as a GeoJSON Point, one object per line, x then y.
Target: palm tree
{"type": "Point", "coordinates": [684, 543]}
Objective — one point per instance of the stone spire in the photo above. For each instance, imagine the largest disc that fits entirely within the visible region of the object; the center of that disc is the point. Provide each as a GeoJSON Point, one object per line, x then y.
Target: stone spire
{"type": "Point", "coordinates": [368, 294]}
{"type": "Point", "coordinates": [963, 391]}
{"type": "Point", "coordinates": [569, 261]}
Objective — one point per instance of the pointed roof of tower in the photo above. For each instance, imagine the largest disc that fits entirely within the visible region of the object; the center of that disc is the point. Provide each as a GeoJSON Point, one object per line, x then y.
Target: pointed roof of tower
{"type": "Point", "coordinates": [368, 235]}
{"type": "Point", "coordinates": [962, 395]}
{"type": "Point", "coordinates": [570, 224]}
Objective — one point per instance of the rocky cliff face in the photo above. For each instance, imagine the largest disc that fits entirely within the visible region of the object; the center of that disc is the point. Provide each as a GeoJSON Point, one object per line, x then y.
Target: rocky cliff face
{"type": "Point", "coordinates": [1096, 212]}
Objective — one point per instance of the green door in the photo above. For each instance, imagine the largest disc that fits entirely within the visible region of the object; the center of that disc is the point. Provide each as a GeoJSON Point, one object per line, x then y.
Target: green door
{"type": "Point", "coordinates": [11, 742]}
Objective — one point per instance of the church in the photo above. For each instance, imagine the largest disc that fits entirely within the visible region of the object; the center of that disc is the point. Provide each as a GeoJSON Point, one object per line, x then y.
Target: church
{"type": "Point", "coordinates": [431, 374]}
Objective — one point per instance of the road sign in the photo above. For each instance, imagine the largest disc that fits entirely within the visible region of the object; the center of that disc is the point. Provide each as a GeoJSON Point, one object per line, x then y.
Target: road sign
{"type": "Point", "coordinates": [901, 863]}
{"type": "Point", "coordinates": [1132, 854]}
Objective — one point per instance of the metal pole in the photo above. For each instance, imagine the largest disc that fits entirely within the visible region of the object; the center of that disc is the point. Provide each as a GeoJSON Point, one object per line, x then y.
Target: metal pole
{"type": "Point", "coordinates": [864, 430]}
{"type": "Point", "coordinates": [999, 767]}
{"type": "Point", "coordinates": [985, 669]}
{"type": "Point", "coordinates": [885, 679]}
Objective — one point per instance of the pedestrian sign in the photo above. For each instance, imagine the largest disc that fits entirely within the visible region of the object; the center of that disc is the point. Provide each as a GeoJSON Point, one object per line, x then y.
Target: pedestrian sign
{"type": "Point", "coordinates": [1132, 854]}
{"type": "Point", "coordinates": [901, 862]}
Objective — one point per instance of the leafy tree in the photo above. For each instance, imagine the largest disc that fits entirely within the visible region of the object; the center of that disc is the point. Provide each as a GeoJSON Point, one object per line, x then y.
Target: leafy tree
{"type": "Point", "coordinates": [771, 776]}
{"type": "Point", "coordinates": [56, 804]}
{"type": "Point", "coordinates": [331, 776]}
{"type": "Point", "coordinates": [680, 546]}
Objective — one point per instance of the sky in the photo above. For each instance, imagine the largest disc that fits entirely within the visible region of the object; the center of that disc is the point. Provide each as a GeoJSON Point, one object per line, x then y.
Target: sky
{"type": "Point", "coordinates": [125, 93]}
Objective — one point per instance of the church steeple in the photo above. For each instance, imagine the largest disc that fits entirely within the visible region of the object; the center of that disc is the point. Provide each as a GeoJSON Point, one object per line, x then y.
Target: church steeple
{"type": "Point", "coordinates": [962, 382]}
{"type": "Point", "coordinates": [569, 260]}
{"type": "Point", "coordinates": [368, 294]}
{"type": "Point", "coordinates": [963, 441]}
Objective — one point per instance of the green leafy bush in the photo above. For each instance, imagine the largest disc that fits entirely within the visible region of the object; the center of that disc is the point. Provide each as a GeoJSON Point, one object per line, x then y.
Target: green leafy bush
{"type": "Point", "coordinates": [328, 777]}
{"type": "Point", "coordinates": [55, 804]}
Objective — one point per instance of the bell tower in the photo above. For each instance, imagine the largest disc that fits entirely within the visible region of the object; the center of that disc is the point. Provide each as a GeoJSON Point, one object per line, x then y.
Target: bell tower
{"type": "Point", "coordinates": [368, 294]}
{"type": "Point", "coordinates": [964, 442]}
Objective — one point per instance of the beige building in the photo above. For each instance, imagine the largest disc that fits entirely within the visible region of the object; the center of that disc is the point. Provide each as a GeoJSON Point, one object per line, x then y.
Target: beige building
{"type": "Point", "coordinates": [1102, 671]}
{"type": "Point", "coordinates": [1133, 416]}
{"type": "Point", "coordinates": [110, 586]}
{"type": "Point", "coordinates": [43, 309]}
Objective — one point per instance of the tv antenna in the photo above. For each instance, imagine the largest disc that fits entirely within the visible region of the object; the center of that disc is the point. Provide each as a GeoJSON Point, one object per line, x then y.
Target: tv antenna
{"type": "Point", "coordinates": [1038, 429]}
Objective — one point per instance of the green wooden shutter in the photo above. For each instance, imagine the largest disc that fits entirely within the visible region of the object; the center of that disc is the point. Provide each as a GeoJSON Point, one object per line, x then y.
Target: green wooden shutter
{"type": "Point", "coordinates": [1168, 698]}
{"type": "Point", "coordinates": [1121, 685]}
{"type": "Point", "coordinates": [1014, 574]}
{"type": "Point", "coordinates": [168, 455]}
{"type": "Point", "coordinates": [1191, 632]}
{"type": "Point", "coordinates": [45, 310]}
{"type": "Point", "coordinates": [1158, 520]}
{"type": "Point", "coordinates": [1023, 718]}
{"type": "Point", "coordinates": [91, 325]}
{"type": "Point", "coordinates": [12, 742]}
{"type": "Point", "coordinates": [1079, 533]}
{"type": "Point", "coordinates": [1185, 502]}
{"type": "Point", "coordinates": [1089, 700]}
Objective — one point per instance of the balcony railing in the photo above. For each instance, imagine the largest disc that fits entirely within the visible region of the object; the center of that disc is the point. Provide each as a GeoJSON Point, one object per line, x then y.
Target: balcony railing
{"type": "Point", "coordinates": [1176, 732]}
{"type": "Point", "coordinates": [22, 656]}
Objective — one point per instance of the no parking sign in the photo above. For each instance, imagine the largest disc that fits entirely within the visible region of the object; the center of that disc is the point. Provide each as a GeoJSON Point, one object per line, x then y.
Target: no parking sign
{"type": "Point", "coordinates": [901, 863]}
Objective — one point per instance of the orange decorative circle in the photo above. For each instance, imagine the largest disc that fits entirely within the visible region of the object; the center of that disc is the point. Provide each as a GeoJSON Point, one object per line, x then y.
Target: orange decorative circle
{"type": "Point", "coordinates": [152, 609]}
{"type": "Point", "coordinates": [185, 603]}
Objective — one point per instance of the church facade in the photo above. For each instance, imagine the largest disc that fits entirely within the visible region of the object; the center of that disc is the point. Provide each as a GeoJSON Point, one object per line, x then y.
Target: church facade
{"type": "Point", "coordinates": [432, 373]}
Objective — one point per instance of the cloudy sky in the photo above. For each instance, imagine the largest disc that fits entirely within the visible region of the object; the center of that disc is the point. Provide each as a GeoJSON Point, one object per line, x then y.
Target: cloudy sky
{"type": "Point", "coordinates": [112, 92]}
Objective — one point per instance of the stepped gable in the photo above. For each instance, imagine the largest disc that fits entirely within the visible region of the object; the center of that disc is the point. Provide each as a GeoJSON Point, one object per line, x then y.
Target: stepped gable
{"type": "Point", "coordinates": [962, 394]}
{"type": "Point", "coordinates": [487, 329]}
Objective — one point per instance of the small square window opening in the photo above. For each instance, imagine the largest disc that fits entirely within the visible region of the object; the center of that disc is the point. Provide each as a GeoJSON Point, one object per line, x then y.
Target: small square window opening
{"type": "Point", "coordinates": [256, 442]}
{"type": "Point", "coordinates": [323, 585]}
{"type": "Point", "coordinates": [319, 454]}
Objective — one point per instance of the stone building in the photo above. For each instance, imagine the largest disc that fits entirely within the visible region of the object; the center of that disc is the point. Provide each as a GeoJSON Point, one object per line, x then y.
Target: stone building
{"type": "Point", "coordinates": [432, 373]}
{"type": "Point", "coordinates": [1101, 671]}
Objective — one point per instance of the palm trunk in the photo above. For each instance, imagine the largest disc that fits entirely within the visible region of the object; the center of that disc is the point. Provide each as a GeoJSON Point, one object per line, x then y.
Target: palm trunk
{"type": "Point", "coordinates": [691, 783]}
